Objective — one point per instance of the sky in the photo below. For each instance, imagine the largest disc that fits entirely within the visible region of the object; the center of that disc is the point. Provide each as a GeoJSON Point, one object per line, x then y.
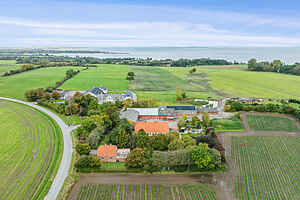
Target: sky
{"type": "Point", "coordinates": [134, 23]}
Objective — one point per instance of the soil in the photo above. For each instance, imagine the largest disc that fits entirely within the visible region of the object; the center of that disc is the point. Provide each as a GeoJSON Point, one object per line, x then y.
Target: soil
{"type": "Point", "coordinates": [221, 182]}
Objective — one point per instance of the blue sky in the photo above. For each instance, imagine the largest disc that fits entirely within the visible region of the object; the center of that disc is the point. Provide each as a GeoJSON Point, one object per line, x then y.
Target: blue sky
{"type": "Point", "coordinates": [149, 23]}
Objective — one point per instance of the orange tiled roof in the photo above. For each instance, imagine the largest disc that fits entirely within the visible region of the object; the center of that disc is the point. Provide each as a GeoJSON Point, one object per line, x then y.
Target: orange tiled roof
{"type": "Point", "coordinates": [107, 151]}
{"type": "Point", "coordinates": [153, 127]}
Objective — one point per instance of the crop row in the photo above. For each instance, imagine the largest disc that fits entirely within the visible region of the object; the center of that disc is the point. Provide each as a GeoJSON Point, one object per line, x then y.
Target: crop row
{"type": "Point", "coordinates": [143, 192]}
{"type": "Point", "coordinates": [267, 167]}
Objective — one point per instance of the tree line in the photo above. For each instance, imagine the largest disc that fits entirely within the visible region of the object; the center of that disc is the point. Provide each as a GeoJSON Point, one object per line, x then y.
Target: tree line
{"type": "Point", "coordinates": [276, 66]}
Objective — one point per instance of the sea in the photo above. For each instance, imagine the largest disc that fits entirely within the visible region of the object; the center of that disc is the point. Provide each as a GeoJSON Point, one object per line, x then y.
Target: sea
{"type": "Point", "coordinates": [288, 55]}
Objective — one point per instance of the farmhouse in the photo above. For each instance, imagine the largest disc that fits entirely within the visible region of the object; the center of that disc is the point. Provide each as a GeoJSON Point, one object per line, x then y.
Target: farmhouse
{"type": "Point", "coordinates": [247, 100]}
{"type": "Point", "coordinates": [153, 128]}
{"type": "Point", "coordinates": [111, 153]}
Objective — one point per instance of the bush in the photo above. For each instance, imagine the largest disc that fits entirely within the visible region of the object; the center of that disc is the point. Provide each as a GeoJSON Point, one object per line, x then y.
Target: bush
{"type": "Point", "coordinates": [88, 162]}
{"type": "Point", "coordinates": [205, 139]}
{"type": "Point", "coordinates": [83, 149]}
{"type": "Point", "coordinates": [176, 144]}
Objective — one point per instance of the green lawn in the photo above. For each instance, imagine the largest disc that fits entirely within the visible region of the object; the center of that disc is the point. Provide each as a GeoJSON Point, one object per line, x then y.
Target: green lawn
{"type": "Point", "coordinates": [16, 85]}
{"type": "Point", "coordinates": [110, 76]}
{"type": "Point", "coordinates": [268, 167]}
{"type": "Point", "coordinates": [113, 165]}
{"type": "Point", "coordinates": [271, 123]}
{"type": "Point", "coordinates": [225, 125]}
{"type": "Point", "coordinates": [30, 152]}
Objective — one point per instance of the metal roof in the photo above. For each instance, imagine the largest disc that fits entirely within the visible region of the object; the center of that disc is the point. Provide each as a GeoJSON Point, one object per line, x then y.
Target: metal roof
{"type": "Point", "coordinates": [145, 111]}
{"type": "Point", "coordinates": [182, 107]}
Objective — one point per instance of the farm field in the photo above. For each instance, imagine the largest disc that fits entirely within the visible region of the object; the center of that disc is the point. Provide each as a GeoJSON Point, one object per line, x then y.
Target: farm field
{"type": "Point", "coordinates": [15, 86]}
{"type": "Point", "coordinates": [30, 152]}
{"type": "Point", "coordinates": [143, 192]}
{"type": "Point", "coordinates": [225, 125]}
{"type": "Point", "coordinates": [271, 123]}
{"type": "Point", "coordinates": [6, 65]}
{"type": "Point", "coordinates": [110, 76]}
{"type": "Point", "coordinates": [255, 84]}
{"type": "Point", "coordinates": [267, 167]}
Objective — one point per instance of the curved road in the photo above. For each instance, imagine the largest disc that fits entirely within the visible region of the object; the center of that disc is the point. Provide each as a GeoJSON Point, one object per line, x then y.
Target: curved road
{"type": "Point", "coordinates": [65, 163]}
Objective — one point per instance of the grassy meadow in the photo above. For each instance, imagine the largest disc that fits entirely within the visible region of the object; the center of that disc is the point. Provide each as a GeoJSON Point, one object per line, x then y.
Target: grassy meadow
{"type": "Point", "coordinates": [16, 85]}
{"type": "Point", "coordinates": [271, 123]}
{"type": "Point", "coordinates": [6, 65]}
{"type": "Point", "coordinates": [30, 152]}
{"type": "Point", "coordinates": [268, 167]}
{"type": "Point", "coordinates": [110, 76]}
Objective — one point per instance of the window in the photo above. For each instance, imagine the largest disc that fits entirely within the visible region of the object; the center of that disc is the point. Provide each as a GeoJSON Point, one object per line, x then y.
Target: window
{"type": "Point", "coordinates": [101, 158]}
{"type": "Point", "coordinates": [111, 158]}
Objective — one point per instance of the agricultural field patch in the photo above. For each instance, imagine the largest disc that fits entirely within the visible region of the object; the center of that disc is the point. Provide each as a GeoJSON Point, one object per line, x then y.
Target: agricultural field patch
{"type": "Point", "coordinates": [267, 167]}
{"type": "Point", "coordinates": [225, 125]}
{"type": "Point", "coordinates": [271, 123]}
{"type": "Point", "coordinates": [16, 85]}
{"type": "Point", "coordinates": [30, 152]}
{"type": "Point", "coordinates": [143, 192]}
{"type": "Point", "coordinates": [255, 84]}
{"type": "Point", "coordinates": [6, 65]}
{"type": "Point", "coordinates": [110, 76]}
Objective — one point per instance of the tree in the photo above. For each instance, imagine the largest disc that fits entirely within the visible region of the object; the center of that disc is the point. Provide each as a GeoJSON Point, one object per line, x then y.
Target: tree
{"type": "Point", "coordinates": [196, 122]}
{"type": "Point", "coordinates": [55, 95]}
{"type": "Point", "coordinates": [159, 142]}
{"type": "Point", "coordinates": [83, 149]}
{"type": "Point", "coordinates": [176, 144]}
{"type": "Point", "coordinates": [136, 158]}
{"type": "Point", "coordinates": [193, 70]}
{"type": "Point", "coordinates": [178, 94]}
{"type": "Point", "coordinates": [96, 137]}
{"type": "Point", "coordinates": [201, 156]}
{"type": "Point", "coordinates": [252, 64]}
{"type": "Point", "coordinates": [188, 141]}
{"type": "Point", "coordinates": [181, 123]}
{"type": "Point", "coordinates": [183, 95]}
{"type": "Point", "coordinates": [130, 76]}
{"type": "Point", "coordinates": [276, 64]}
{"type": "Point", "coordinates": [70, 73]}
{"type": "Point", "coordinates": [206, 119]}
{"type": "Point", "coordinates": [142, 139]}
{"type": "Point", "coordinates": [122, 139]}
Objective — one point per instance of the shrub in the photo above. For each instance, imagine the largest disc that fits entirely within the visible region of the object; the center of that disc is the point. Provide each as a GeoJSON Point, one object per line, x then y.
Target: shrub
{"type": "Point", "coordinates": [88, 162]}
{"type": "Point", "coordinates": [83, 149]}
{"type": "Point", "coordinates": [176, 144]}
{"type": "Point", "coordinates": [205, 139]}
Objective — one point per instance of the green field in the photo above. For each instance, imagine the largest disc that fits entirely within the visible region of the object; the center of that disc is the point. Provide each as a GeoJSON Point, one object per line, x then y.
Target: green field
{"type": "Point", "coordinates": [16, 85]}
{"type": "Point", "coordinates": [256, 84]}
{"type": "Point", "coordinates": [30, 152]}
{"type": "Point", "coordinates": [6, 65]}
{"type": "Point", "coordinates": [225, 125]}
{"type": "Point", "coordinates": [271, 123]}
{"type": "Point", "coordinates": [110, 76]}
{"type": "Point", "coordinates": [268, 167]}
{"type": "Point", "coordinates": [143, 192]}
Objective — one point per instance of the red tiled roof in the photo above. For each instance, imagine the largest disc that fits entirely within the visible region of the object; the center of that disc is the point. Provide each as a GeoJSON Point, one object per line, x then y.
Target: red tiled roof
{"type": "Point", "coordinates": [107, 151]}
{"type": "Point", "coordinates": [152, 127]}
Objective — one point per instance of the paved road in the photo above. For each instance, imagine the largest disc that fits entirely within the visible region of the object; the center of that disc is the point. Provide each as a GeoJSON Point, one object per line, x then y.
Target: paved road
{"type": "Point", "coordinates": [63, 170]}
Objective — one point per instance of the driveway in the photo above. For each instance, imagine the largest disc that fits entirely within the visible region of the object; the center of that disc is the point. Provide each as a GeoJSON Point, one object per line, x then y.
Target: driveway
{"type": "Point", "coordinates": [65, 163]}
